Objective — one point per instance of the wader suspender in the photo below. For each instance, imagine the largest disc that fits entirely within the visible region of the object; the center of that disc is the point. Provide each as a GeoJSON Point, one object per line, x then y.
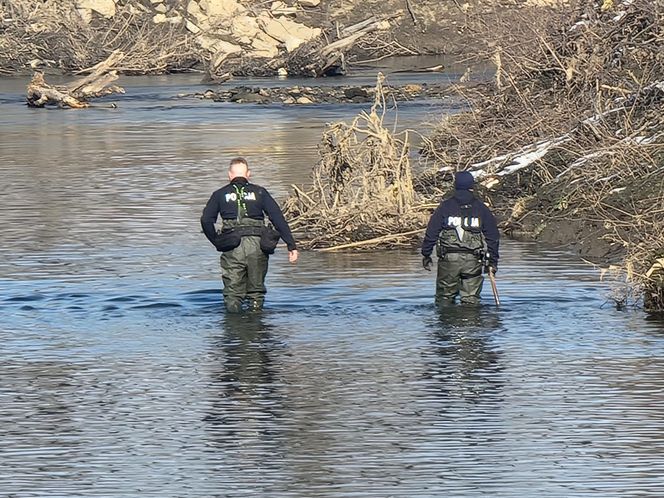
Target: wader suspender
{"type": "Point", "coordinates": [241, 205]}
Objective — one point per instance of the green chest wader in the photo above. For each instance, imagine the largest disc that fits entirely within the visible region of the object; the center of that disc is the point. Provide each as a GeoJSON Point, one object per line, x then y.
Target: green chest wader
{"type": "Point", "coordinates": [460, 250]}
{"type": "Point", "coordinates": [244, 267]}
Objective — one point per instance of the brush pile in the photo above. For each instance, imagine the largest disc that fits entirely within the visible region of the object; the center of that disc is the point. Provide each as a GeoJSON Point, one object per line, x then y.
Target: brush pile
{"type": "Point", "coordinates": [362, 192]}
{"type": "Point", "coordinates": [570, 135]}
{"type": "Point", "coordinates": [36, 34]}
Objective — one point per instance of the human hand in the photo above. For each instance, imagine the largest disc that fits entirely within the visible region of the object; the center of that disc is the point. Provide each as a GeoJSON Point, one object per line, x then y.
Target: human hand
{"type": "Point", "coordinates": [292, 256]}
{"type": "Point", "coordinates": [427, 262]}
{"type": "Point", "coordinates": [492, 267]}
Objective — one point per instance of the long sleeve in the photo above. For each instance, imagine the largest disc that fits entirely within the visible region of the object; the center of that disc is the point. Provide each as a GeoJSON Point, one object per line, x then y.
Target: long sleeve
{"type": "Point", "coordinates": [434, 227]}
{"type": "Point", "coordinates": [491, 233]}
{"type": "Point", "coordinates": [209, 217]}
{"type": "Point", "coordinates": [276, 216]}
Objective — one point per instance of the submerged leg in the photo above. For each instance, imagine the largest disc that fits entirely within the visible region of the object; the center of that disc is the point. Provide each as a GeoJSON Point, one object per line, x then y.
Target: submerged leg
{"type": "Point", "coordinates": [234, 276]}
{"type": "Point", "coordinates": [447, 280]}
{"type": "Point", "coordinates": [471, 279]}
{"type": "Point", "coordinates": [257, 264]}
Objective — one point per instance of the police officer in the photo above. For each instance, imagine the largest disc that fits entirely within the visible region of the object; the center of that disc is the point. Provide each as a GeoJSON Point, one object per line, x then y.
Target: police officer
{"type": "Point", "coordinates": [466, 236]}
{"type": "Point", "coordinates": [243, 238]}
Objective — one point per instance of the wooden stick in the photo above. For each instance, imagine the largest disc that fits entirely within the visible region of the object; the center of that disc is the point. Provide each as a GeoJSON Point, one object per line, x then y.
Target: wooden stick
{"type": "Point", "coordinates": [358, 26]}
{"type": "Point", "coordinates": [376, 240]}
{"type": "Point", "coordinates": [348, 41]}
{"type": "Point", "coordinates": [492, 279]}
{"type": "Point", "coordinates": [411, 12]}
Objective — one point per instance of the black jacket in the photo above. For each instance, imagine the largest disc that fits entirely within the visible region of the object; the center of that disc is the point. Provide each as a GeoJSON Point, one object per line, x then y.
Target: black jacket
{"type": "Point", "coordinates": [257, 201]}
{"type": "Point", "coordinates": [447, 215]}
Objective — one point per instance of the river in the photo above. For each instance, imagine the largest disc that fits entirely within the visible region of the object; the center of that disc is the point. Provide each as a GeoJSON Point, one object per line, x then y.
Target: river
{"type": "Point", "coordinates": [121, 376]}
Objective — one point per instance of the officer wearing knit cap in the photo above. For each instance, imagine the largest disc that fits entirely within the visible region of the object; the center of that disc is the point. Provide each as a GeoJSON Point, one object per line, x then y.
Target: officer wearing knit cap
{"type": "Point", "coordinates": [466, 235]}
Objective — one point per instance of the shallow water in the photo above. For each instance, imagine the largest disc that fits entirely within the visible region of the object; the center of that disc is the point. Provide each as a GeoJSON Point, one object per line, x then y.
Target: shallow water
{"type": "Point", "coordinates": [120, 375]}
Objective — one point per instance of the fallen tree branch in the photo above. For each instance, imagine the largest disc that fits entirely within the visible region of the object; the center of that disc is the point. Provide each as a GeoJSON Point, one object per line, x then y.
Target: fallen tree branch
{"type": "Point", "coordinates": [76, 93]}
{"type": "Point", "coordinates": [377, 240]}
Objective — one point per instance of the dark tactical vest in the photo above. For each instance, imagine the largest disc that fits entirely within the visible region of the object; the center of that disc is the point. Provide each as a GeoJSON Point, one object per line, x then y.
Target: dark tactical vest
{"type": "Point", "coordinates": [243, 225]}
{"type": "Point", "coordinates": [462, 233]}
{"type": "Point", "coordinates": [232, 231]}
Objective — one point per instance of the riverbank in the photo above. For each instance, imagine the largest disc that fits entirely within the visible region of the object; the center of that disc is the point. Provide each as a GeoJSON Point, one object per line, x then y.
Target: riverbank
{"type": "Point", "coordinates": [234, 37]}
{"type": "Point", "coordinates": [567, 145]}
{"type": "Point", "coordinates": [568, 140]}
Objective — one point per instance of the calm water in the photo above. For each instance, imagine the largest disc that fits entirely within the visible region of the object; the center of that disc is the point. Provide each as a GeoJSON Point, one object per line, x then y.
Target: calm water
{"type": "Point", "coordinates": [120, 375]}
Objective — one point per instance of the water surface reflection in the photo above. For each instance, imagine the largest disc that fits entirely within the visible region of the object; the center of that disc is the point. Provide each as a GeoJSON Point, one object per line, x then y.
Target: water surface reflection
{"type": "Point", "coordinates": [120, 375]}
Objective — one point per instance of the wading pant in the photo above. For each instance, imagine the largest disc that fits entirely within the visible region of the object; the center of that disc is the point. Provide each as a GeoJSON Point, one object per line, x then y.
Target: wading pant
{"type": "Point", "coordinates": [459, 273]}
{"type": "Point", "coordinates": [243, 272]}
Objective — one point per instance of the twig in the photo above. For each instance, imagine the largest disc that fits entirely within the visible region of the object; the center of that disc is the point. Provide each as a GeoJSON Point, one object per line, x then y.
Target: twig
{"type": "Point", "coordinates": [377, 240]}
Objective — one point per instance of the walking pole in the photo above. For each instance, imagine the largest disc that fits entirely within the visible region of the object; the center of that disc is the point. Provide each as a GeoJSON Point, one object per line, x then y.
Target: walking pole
{"type": "Point", "coordinates": [492, 279]}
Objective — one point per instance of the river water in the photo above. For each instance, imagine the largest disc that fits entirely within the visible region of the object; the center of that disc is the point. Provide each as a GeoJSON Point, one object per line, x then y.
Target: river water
{"type": "Point", "coordinates": [121, 376]}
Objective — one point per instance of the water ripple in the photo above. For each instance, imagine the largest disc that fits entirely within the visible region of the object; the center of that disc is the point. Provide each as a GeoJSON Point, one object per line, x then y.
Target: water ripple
{"type": "Point", "coordinates": [120, 375]}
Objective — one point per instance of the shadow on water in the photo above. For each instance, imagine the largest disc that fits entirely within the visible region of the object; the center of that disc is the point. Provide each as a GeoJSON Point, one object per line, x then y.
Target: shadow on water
{"type": "Point", "coordinates": [245, 367]}
{"type": "Point", "coordinates": [463, 338]}
{"type": "Point", "coordinates": [246, 402]}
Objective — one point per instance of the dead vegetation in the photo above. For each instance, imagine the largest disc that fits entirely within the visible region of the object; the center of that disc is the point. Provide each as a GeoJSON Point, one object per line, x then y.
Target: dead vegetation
{"type": "Point", "coordinates": [325, 55]}
{"type": "Point", "coordinates": [571, 132]}
{"type": "Point", "coordinates": [77, 93]}
{"type": "Point", "coordinates": [41, 35]}
{"type": "Point", "coordinates": [362, 193]}
{"type": "Point", "coordinates": [38, 35]}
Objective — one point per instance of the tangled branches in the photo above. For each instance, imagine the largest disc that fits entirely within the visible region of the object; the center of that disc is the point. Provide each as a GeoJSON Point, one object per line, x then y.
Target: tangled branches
{"type": "Point", "coordinates": [37, 34]}
{"type": "Point", "coordinates": [570, 134]}
{"type": "Point", "coordinates": [362, 193]}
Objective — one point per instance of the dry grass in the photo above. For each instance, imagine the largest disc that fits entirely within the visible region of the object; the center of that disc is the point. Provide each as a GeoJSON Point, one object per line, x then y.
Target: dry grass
{"type": "Point", "coordinates": [38, 34]}
{"type": "Point", "coordinates": [362, 187]}
{"type": "Point", "coordinates": [589, 83]}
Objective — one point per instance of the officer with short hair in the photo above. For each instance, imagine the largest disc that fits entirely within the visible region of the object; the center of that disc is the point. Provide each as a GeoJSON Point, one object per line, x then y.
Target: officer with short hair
{"type": "Point", "coordinates": [465, 234]}
{"type": "Point", "coordinates": [244, 240]}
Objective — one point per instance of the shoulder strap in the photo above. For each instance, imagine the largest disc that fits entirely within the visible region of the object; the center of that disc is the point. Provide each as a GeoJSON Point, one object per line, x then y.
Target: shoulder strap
{"type": "Point", "coordinates": [241, 205]}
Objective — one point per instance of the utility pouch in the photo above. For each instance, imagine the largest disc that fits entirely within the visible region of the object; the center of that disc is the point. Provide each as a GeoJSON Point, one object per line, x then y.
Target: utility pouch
{"type": "Point", "coordinates": [227, 240]}
{"type": "Point", "coordinates": [440, 248]}
{"type": "Point", "coordinates": [269, 239]}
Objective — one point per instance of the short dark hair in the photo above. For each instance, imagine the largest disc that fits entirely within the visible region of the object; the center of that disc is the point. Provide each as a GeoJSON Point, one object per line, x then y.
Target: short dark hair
{"type": "Point", "coordinates": [239, 160]}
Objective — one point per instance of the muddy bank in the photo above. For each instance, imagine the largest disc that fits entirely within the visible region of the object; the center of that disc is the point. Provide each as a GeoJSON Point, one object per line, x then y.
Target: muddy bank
{"type": "Point", "coordinates": [568, 140]}
{"type": "Point", "coordinates": [321, 94]}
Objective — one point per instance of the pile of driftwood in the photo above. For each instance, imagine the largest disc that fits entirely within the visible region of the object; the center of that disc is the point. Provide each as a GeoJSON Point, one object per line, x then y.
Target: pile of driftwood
{"type": "Point", "coordinates": [77, 93]}
{"type": "Point", "coordinates": [571, 131]}
{"type": "Point", "coordinates": [362, 192]}
{"type": "Point", "coordinates": [316, 58]}
{"type": "Point", "coordinates": [50, 34]}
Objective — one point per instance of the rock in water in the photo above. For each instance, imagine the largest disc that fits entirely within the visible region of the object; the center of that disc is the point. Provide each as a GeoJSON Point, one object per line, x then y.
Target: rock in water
{"type": "Point", "coordinates": [355, 92]}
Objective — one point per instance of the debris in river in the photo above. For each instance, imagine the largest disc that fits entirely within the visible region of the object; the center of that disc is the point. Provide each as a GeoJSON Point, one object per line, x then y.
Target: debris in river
{"type": "Point", "coordinates": [362, 194]}
{"type": "Point", "coordinates": [321, 94]}
{"type": "Point", "coordinates": [77, 93]}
